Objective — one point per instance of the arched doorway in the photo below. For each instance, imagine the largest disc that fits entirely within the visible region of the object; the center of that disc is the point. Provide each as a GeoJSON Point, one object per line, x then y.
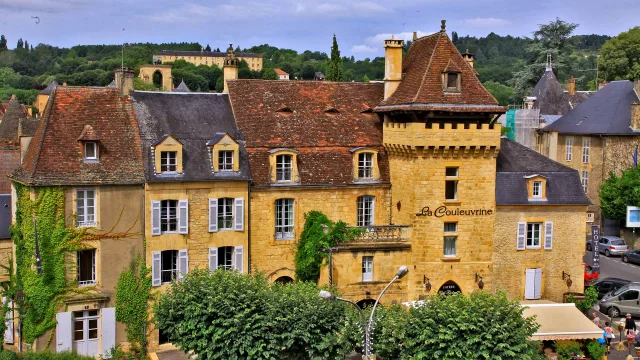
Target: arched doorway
{"type": "Point", "coordinates": [157, 79]}
{"type": "Point", "coordinates": [449, 288]}
{"type": "Point", "coordinates": [365, 303]}
{"type": "Point", "coordinates": [284, 280]}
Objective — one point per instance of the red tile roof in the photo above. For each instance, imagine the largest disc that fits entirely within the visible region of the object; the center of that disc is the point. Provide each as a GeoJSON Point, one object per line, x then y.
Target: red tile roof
{"type": "Point", "coordinates": [322, 139]}
{"type": "Point", "coordinates": [280, 72]}
{"type": "Point", "coordinates": [55, 156]}
{"type": "Point", "coordinates": [421, 86]}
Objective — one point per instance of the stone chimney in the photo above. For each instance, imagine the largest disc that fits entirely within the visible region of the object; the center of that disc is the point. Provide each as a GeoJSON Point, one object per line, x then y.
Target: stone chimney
{"type": "Point", "coordinates": [64, 84]}
{"type": "Point", "coordinates": [468, 57]}
{"type": "Point", "coordinates": [571, 86]}
{"type": "Point", "coordinates": [635, 116]}
{"type": "Point", "coordinates": [392, 65]}
{"type": "Point", "coordinates": [230, 67]}
{"type": "Point", "coordinates": [415, 35]}
{"type": "Point", "coordinates": [636, 87]}
{"type": "Point", "coordinates": [124, 80]}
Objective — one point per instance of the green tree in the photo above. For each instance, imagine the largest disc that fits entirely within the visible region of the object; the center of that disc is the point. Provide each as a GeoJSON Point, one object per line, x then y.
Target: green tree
{"type": "Point", "coordinates": [139, 84]}
{"type": "Point", "coordinates": [620, 56]}
{"type": "Point", "coordinates": [502, 93]}
{"type": "Point", "coordinates": [3, 42]}
{"type": "Point", "coordinates": [220, 84]}
{"type": "Point", "coordinates": [334, 65]}
{"type": "Point", "coordinates": [20, 44]}
{"type": "Point", "coordinates": [208, 48]}
{"type": "Point", "coordinates": [270, 74]}
{"type": "Point", "coordinates": [365, 78]}
{"type": "Point", "coordinates": [307, 72]}
{"type": "Point", "coordinates": [618, 192]}
{"type": "Point", "coordinates": [26, 45]}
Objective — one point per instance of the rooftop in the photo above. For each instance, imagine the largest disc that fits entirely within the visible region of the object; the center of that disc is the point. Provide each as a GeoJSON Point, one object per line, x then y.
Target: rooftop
{"type": "Point", "coordinates": [206, 53]}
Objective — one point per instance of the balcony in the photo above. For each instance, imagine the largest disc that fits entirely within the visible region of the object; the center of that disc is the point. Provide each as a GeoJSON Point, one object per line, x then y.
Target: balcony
{"type": "Point", "coordinates": [386, 237]}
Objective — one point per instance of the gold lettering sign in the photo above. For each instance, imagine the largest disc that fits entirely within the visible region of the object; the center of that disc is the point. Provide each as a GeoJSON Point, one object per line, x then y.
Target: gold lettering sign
{"type": "Point", "coordinates": [441, 211]}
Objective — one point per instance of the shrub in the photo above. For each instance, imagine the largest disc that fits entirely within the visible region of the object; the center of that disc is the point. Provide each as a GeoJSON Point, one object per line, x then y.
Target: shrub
{"type": "Point", "coordinates": [596, 350]}
{"type": "Point", "coordinates": [566, 349]}
{"type": "Point", "coordinates": [8, 355]}
{"type": "Point", "coordinates": [591, 298]}
{"type": "Point", "coordinates": [42, 355]}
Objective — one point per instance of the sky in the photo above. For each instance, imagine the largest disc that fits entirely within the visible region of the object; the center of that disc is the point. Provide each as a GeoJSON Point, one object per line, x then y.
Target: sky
{"type": "Point", "coordinates": [360, 25]}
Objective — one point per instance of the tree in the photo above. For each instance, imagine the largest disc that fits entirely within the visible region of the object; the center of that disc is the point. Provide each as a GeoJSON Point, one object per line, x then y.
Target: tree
{"type": "Point", "coordinates": [218, 50]}
{"type": "Point", "coordinates": [454, 37]}
{"type": "Point", "coordinates": [26, 45]}
{"type": "Point", "coordinates": [620, 57]}
{"type": "Point", "coordinates": [307, 72]}
{"type": "Point", "coordinates": [208, 48]}
{"type": "Point", "coordinates": [334, 65]}
{"type": "Point", "coordinates": [618, 192]}
{"type": "Point", "coordinates": [220, 84]}
{"type": "Point", "coordinates": [3, 42]}
{"type": "Point", "coordinates": [20, 44]}
{"type": "Point", "coordinates": [270, 74]}
{"type": "Point", "coordinates": [237, 48]}
{"type": "Point", "coordinates": [365, 78]}
{"type": "Point", "coordinates": [502, 93]}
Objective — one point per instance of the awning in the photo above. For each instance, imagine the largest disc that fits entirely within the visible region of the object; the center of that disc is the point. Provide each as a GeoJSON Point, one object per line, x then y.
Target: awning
{"type": "Point", "coordinates": [560, 321]}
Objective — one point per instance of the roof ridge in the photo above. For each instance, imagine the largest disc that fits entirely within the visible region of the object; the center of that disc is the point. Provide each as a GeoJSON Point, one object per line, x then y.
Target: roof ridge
{"type": "Point", "coordinates": [427, 69]}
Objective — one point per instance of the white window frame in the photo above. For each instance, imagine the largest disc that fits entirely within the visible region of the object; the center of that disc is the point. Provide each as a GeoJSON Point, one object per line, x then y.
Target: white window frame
{"type": "Point", "coordinates": [175, 271]}
{"type": "Point", "coordinates": [586, 149]}
{"type": "Point", "coordinates": [449, 238]}
{"type": "Point", "coordinates": [366, 211]}
{"type": "Point", "coordinates": [568, 149]}
{"type": "Point", "coordinates": [165, 216]}
{"type": "Point", "coordinates": [94, 145]}
{"type": "Point", "coordinates": [367, 268]}
{"type": "Point", "coordinates": [451, 179]}
{"type": "Point", "coordinates": [285, 220]}
{"type": "Point", "coordinates": [225, 216]}
{"type": "Point", "coordinates": [91, 281]}
{"type": "Point", "coordinates": [85, 219]}
{"type": "Point", "coordinates": [284, 168]}
{"type": "Point", "coordinates": [226, 264]}
{"type": "Point", "coordinates": [584, 179]}
{"type": "Point", "coordinates": [168, 161]}
{"type": "Point", "coordinates": [536, 189]}
{"type": "Point", "coordinates": [365, 165]}
{"type": "Point", "coordinates": [531, 239]}
{"type": "Point", "coordinates": [225, 160]}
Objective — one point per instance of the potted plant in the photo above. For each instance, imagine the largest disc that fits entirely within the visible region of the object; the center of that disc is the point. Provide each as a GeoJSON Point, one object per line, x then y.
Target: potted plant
{"type": "Point", "coordinates": [637, 350]}
{"type": "Point", "coordinates": [630, 338]}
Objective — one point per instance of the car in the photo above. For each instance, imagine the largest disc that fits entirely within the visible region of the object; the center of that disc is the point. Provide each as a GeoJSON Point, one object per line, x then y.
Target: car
{"type": "Point", "coordinates": [610, 245]}
{"type": "Point", "coordinates": [608, 285]}
{"type": "Point", "coordinates": [590, 276]}
{"type": "Point", "coordinates": [631, 256]}
{"type": "Point", "coordinates": [625, 300]}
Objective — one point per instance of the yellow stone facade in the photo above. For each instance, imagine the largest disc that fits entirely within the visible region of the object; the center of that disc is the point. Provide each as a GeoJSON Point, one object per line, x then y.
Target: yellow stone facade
{"type": "Point", "coordinates": [147, 72]}
{"type": "Point", "coordinates": [254, 62]}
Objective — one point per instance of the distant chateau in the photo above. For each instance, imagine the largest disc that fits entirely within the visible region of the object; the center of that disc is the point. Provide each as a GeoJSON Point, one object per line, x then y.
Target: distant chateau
{"type": "Point", "coordinates": [207, 58]}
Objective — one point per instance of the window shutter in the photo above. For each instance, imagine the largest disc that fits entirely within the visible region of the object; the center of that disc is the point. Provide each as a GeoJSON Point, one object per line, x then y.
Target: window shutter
{"type": "Point", "coordinates": [8, 333]}
{"type": "Point", "coordinates": [529, 284]}
{"type": "Point", "coordinates": [239, 263]}
{"type": "Point", "coordinates": [213, 215]}
{"type": "Point", "coordinates": [239, 218]}
{"type": "Point", "coordinates": [548, 235]}
{"type": "Point", "coordinates": [373, 211]}
{"type": "Point", "coordinates": [183, 217]}
{"type": "Point", "coordinates": [108, 331]}
{"type": "Point", "coordinates": [156, 267]}
{"type": "Point", "coordinates": [537, 294]}
{"type": "Point", "coordinates": [63, 332]}
{"type": "Point", "coordinates": [155, 218]}
{"type": "Point", "coordinates": [183, 263]}
{"type": "Point", "coordinates": [522, 236]}
{"type": "Point", "coordinates": [213, 259]}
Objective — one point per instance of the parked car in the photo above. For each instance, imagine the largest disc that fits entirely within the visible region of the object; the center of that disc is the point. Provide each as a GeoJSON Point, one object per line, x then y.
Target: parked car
{"type": "Point", "coordinates": [610, 245]}
{"type": "Point", "coordinates": [608, 285]}
{"type": "Point", "coordinates": [590, 276]}
{"type": "Point", "coordinates": [625, 300]}
{"type": "Point", "coordinates": [631, 256]}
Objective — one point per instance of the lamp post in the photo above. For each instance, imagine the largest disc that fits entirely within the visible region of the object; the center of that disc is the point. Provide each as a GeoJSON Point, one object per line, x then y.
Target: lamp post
{"type": "Point", "coordinates": [368, 325]}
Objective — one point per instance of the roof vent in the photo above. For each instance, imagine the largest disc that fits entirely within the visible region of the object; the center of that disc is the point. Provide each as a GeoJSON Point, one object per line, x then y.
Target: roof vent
{"type": "Point", "coordinates": [331, 110]}
{"type": "Point", "coordinates": [284, 109]}
{"type": "Point", "coordinates": [366, 109]}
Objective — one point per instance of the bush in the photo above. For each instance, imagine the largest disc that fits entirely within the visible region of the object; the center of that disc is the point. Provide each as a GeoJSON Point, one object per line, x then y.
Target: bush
{"type": "Point", "coordinates": [591, 299]}
{"type": "Point", "coordinates": [8, 355]}
{"type": "Point", "coordinates": [596, 350]}
{"type": "Point", "coordinates": [42, 355]}
{"type": "Point", "coordinates": [566, 349]}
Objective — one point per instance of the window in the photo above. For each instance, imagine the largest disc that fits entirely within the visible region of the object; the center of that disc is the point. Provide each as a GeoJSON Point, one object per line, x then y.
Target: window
{"type": "Point", "coordinates": [537, 189]}
{"type": "Point", "coordinates": [365, 210]}
{"type": "Point", "coordinates": [85, 327]}
{"type": "Point", "coordinates": [450, 227]}
{"type": "Point", "coordinates": [225, 160]}
{"type": "Point", "coordinates": [569, 149]}
{"type": "Point", "coordinates": [168, 216]}
{"type": "Point", "coordinates": [365, 165]}
{"type": "Point", "coordinates": [284, 167]}
{"type": "Point", "coordinates": [629, 295]}
{"type": "Point", "coordinates": [86, 207]}
{"type": "Point", "coordinates": [86, 260]}
{"type": "Point", "coordinates": [225, 214]}
{"type": "Point", "coordinates": [585, 180]}
{"type": "Point", "coordinates": [367, 268]}
{"type": "Point", "coordinates": [169, 265]}
{"type": "Point", "coordinates": [450, 241]}
{"type": "Point", "coordinates": [451, 186]}
{"type": "Point", "coordinates": [533, 235]}
{"type": "Point", "coordinates": [90, 150]}
{"type": "Point", "coordinates": [168, 161]}
{"type": "Point", "coordinates": [452, 80]}
{"type": "Point", "coordinates": [284, 219]}
{"type": "Point", "coordinates": [586, 144]}
{"type": "Point", "coordinates": [225, 257]}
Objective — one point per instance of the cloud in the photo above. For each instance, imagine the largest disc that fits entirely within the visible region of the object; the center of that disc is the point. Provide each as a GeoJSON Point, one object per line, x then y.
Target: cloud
{"type": "Point", "coordinates": [487, 22]}
{"type": "Point", "coordinates": [47, 6]}
{"type": "Point", "coordinates": [192, 12]}
{"type": "Point", "coordinates": [377, 40]}
{"type": "Point", "coordinates": [362, 49]}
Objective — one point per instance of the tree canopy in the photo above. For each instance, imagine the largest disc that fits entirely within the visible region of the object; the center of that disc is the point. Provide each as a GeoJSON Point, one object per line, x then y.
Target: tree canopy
{"type": "Point", "coordinates": [620, 56]}
{"type": "Point", "coordinates": [334, 66]}
{"type": "Point", "coordinates": [618, 192]}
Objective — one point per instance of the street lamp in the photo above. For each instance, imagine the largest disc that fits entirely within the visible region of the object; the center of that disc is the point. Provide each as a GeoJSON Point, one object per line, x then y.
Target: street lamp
{"type": "Point", "coordinates": [368, 326]}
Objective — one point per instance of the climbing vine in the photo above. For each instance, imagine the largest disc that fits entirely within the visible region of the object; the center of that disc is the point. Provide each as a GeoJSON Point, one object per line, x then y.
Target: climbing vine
{"type": "Point", "coordinates": [133, 295]}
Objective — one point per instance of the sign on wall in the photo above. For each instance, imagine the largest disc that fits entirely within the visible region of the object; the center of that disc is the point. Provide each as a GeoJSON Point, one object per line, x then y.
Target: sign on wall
{"type": "Point", "coordinates": [590, 216]}
{"type": "Point", "coordinates": [595, 240]}
{"type": "Point", "coordinates": [633, 216]}
{"type": "Point", "coordinates": [443, 211]}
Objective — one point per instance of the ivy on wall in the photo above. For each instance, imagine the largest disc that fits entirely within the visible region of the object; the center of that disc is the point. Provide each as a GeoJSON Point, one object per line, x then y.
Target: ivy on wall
{"type": "Point", "coordinates": [133, 295]}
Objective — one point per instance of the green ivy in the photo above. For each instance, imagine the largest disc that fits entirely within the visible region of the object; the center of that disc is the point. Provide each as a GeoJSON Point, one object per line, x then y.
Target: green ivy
{"type": "Point", "coordinates": [133, 294]}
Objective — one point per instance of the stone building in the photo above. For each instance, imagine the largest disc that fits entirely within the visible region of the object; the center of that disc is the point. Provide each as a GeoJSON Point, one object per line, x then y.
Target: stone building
{"type": "Point", "coordinates": [597, 137]}
{"type": "Point", "coordinates": [206, 58]}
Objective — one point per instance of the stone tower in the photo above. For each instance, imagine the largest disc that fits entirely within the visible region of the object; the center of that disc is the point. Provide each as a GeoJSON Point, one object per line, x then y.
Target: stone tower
{"type": "Point", "coordinates": [230, 67]}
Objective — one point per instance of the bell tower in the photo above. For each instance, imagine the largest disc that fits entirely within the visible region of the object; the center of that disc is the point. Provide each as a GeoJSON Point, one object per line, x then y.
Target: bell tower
{"type": "Point", "coordinates": [230, 67]}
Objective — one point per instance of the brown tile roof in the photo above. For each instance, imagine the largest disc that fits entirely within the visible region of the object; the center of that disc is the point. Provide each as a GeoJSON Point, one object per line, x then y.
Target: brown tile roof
{"type": "Point", "coordinates": [280, 72]}
{"type": "Point", "coordinates": [55, 155]}
{"type": "Point", "coordinates": [421, 86]}
{"type": "Point", "coordinates": [321, 138]}
{"type": "Point", "coordinates": [16, 123]}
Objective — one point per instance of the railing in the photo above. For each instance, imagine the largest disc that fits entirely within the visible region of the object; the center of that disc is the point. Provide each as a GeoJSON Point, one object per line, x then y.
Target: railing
{"type": "Point", "coordinates": [386, 233]}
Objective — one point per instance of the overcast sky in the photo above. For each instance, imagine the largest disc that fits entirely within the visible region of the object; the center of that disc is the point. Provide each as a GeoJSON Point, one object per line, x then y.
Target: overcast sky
{"type": "Point", "coordinates": [360, 25]}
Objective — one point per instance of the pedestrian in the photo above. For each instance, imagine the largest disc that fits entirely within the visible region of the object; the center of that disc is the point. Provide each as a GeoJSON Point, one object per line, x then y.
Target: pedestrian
{"type": "Point", "coordinates": [629, 325]}
{"type": "Point", "coordinates": [608, 331]}
{"type": "Point", "coordinates": [596, 319]}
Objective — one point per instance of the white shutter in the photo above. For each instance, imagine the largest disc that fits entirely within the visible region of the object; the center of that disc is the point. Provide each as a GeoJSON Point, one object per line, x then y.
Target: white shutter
{"type": "Point", "coordinates": [521, 239]}
{"type": "Point", "coordinates": [537, 294]}
{"type": "Point", "coordinates": [155, 218]}
{"type": "Point", "coordinates": [213, 259]}
{"type": "Point", "coordinates": [239, 263]}
{"type": "Point", "coordinates": [156, 268]}
{"type": "Point", "coordinates": [373, 211]}
{"type": "Point", "coordinates": [63, 331]}
{"type": "Point", "coordinates": [183, 217]}
{"type": "Point", "coordinates": [529, 284]}
{"type": "Point", "coordinates": [213, 215]}
{"type": "Point", "coordinates": [108, 331]}
{"type": "Point", "coordinates": [183, 263]}
{"type": "Point", "coordinates": [239, 218]}
{"type": "Point", "coordinates": [8, 333]}
{"type": "Point", "coordinates": [548, 235]}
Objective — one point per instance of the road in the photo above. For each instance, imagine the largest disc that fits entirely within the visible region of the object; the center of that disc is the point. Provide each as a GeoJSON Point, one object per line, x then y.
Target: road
{"type": "Point", "coordinates": [614, 267]}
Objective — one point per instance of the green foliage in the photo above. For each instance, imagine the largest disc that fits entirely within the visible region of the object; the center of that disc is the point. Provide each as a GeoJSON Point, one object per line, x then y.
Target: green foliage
{"type": "Point", "coordinates": [228, 315]}
{"type": "Point", "coordinates": [502, 93]}
{"type": "Point", "coordinates": [334, 65]}
{"type": "Point", "coordinates": [307, 72]}
{"type": "Point", "coordinates": [220, 84]}
{"type": "Point", "coordinates": [269, 74]}
{"type": "Point", "coordinates": [619, 58]}
{"type": "Point", "coordinates": [3, 43]}
{"type": "Point", "coordinates": [139, 84]}
{"type": "Point", "coordinates": [596, 350]}
{"type": "Point", "coordinates": [591, 299]}
{"type": "Point", "coordinates": [566, 349]}
{"type": "Point", "coordinates": [365, 78]}
{"type": "Point", "coordinates": [618, 192]}
{"type": "Point", "coordinates": [133, 293]}
{"type": "Point", "coordinates": [23, 96]}
{"type": "Point", "coordinates": [42, 355]}
{"type": "Point", "coordinates": [313, 240]}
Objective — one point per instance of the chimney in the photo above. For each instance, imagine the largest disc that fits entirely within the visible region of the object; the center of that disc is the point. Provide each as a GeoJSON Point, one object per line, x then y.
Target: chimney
{"type": "Point", "coordinates": [635, 117]}
{"type": "Point", "coordinates": [13, 97]}
{"type": "Point", "coordinates": [64, 84]}
{"type": "Point", "coordinates": [415, 35]}
{"type": "Point", "coordinates": [636, 86]}
{"type": "Point", "coordinates": [230, 67]}
{"type": "Point", "coordinates": [468, 57]}
{"type": "Point", "coordinates": [124, 80]}
{"type": "Point", "coordinates": [30, 111]}
{"type": "Point", "coordinates": [571, 86]}
{"type": "Point", "coordinates": [602, 84]}
{"type": "Point", "coordinates": [392, 65]}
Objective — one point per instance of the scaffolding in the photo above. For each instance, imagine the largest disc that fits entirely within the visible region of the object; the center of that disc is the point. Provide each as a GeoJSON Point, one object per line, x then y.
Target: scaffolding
{"type": "Point", "coordinates": [521, 124]}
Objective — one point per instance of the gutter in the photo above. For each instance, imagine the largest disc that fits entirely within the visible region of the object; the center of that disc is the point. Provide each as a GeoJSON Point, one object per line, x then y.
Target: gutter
{"type": "Point", "coordinates": [248, 222]}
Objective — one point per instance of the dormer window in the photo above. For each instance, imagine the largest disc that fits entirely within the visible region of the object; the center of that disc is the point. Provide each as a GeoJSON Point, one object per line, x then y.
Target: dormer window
{"type": "Point", "coordinates": [452, 81]}
{"type": "Point", "coordinates": [89, 140]}
{"type": "Point", "coordinates": [284, 167]}
{"type": "Point", "coordinates": [225, 153]}
{"type": "Point", "coordinates": [225, 160]}
{"type": "Point", "coordinates": [168, 156]}
{"type": "Point", "coordinates": [91, 151]}
{"type": "Point", "coordinates": [168, 161]}
{"type": "Point", "coordinates": [536, 185]}
{"type": "Point", "coordinates": [365, 164]}
{"type": "Point", "coordinates": [537, 189]}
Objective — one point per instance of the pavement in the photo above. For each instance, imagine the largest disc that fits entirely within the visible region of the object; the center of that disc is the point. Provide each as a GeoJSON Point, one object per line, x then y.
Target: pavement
{"type": "Point", "coordinates": [614, 267]}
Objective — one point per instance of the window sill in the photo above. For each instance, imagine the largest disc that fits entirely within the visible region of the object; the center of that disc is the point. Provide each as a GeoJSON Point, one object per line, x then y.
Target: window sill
{"type": "Point", "coordinates": [87, 224]}
{"type": "Point", "coordinates": [452, 202]}
{"type": "Point", "coordinates": [537, 199]}
{"type": "Point", "coordinates": [91, 161]}
{"type": "Point", "coordinates": [533, 247]}
{"type": "Point", "coordinates": [451, 91]}
{"type": "Point", "coordinates": [86, 283]}
{"type": "Point", "coordinates": [450, 259]}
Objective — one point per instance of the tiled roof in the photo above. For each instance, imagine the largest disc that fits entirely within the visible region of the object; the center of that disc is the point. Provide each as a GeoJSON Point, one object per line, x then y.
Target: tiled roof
{"type": "Point", "coordinates": [55, 156]}
{"type": "Point", "coordinates": [421, 86]}
{"type": "Point", "coordinates": [16, 123]}
{"type": "Point", "coordinates": [550, 97]}
{"type": "Point", "coordinates": [193, 119]}
{"type": "Point", "coordinates": [515, 162]}
{"type": "Point", "coordinates": [322, 139]}
{"type": "Point", "coordinates": [206, 53]}
{"type": "Point", "coordinates": [280, 72]}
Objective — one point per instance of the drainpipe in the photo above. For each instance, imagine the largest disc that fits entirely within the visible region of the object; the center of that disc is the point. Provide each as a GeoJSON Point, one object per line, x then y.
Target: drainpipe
{"type": "Point", "coordinates": [604, 158]}
{"type": "Point", "coordinates": [144, 225]}
{"type": "Point", "coordinates": [249, 228]}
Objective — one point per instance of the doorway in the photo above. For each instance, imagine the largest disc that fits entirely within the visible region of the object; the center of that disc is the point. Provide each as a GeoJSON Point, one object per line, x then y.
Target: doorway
{"type": "Point", "coordinates": [85, 332]}
{"type": "Point", "coordinates": [449, 288]}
